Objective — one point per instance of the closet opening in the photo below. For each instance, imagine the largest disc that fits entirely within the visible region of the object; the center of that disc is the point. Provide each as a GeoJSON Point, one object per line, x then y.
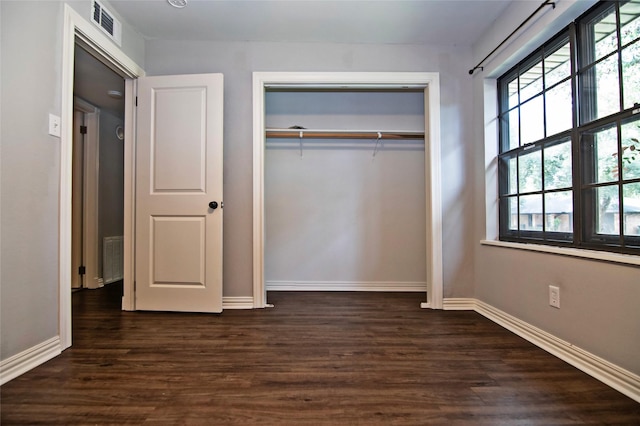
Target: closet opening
{"type": "Point", "coordinates": [344, 185]}
{"type": "Point", "coordinates": [344, 190]}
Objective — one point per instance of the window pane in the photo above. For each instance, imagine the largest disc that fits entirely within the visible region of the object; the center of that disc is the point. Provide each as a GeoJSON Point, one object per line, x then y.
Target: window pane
{"type": "Point", "coordinates": [513, 176]}
{"type": "Point", "coordinates": [607, 88]}
{"type": "Point", "coordinates": [559, 108]}
{"type": "Point", "coordinates": [512, 94]}
{"type": "Point", "coordinates": [513, 213]}
{"type": "Point", "coordinates": [604, 33]}
{"type": "Point", "coordinates": [557, 166]}
{"type": "Point", "coordinates": [630, 133]}
{"type": "Point", "coordinates": [629, 21]}
{"type": "Point", "coordinates": [531, 212]}
{"type": "Point", "coordinates": [531, 82]}
{"type": "Point", "coordinates": [512, 117]}
{"type": "Point", "coordinates": [602, 153]}
{"type": "Point", "coordinates": [531, 120]}
{"type": "Point", "coordinates": [607, 221]}
{"type": "Point", "coordinates": [530, 171]}
{"type": "Point", "coordinates": [631, 206]}
{"type": "Point", "coordinates": [558, 207]}
{"type": "Point", "coordinates": [631, 75]}
{"type": "Point", "coordinates": [557, 66]}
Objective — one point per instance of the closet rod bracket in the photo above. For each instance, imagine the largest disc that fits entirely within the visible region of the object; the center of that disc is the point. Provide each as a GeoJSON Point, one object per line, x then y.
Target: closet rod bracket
{"type": "Point", "coordinates": [375, 149]}
{"type": "Point", "coordinates": [301, 137]}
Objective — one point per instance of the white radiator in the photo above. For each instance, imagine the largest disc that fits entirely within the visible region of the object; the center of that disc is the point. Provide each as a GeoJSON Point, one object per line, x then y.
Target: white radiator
{"type": "Point", "coordinates": [112, 259]}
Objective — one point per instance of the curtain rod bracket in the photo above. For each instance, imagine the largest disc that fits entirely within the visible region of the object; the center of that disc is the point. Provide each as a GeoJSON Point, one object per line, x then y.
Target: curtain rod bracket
{"type": "Point", "coordinates": [375, 149]}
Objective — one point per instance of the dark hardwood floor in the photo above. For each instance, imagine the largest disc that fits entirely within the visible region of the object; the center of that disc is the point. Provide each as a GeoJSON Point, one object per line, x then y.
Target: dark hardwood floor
{"type": "Point", "coordinates": [314, 359]}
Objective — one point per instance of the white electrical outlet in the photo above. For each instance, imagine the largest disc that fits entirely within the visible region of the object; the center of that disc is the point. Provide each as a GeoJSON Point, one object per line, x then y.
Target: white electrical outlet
{"type": "Point", "coordinates": [54, 125]}
{"type": "Point", "coordinates": [554, 296]}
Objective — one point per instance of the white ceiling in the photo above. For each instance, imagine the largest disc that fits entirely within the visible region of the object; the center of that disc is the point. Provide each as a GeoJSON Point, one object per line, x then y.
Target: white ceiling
{"type": "Point", "coordinates": [443, 22]}
{"type": "Point", "coordinates": [438, 22]}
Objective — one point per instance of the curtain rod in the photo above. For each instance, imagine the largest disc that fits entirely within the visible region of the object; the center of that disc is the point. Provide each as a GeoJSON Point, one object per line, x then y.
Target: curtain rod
{"type": "Point", "coordinates": [546, 3]}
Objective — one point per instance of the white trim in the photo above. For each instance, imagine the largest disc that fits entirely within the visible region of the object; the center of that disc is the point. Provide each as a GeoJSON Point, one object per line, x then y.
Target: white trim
{"type": "Point", "coordinates": [259, 289]}
{"type": "Point", "coordinates": [459, 304]}
{"type": "Point", "coordinates": [431, 84]}
{"type": "Point", "coordinates": [432, 160]}
{"type": "Point", "coordinates": [245, 302]}
{"type": "Point", "coordinates": [128, 297]}
{"type": "Point", "coordinates": [608, 373]}
{"type": "Point", "coordinates": [345, 286]}
{"type": "Point", "coordinates": [625, 259]}
{"type": "Point", "coordinates": [26, 360]}
{"type": "Point", "coordinates": [75, 27]}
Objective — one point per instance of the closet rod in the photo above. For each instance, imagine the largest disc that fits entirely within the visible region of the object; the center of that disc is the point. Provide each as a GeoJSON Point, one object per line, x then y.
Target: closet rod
{"type": "Point", "coordinates": [535, 12]}
{"type": "Point", "coordinates": [342, 134]}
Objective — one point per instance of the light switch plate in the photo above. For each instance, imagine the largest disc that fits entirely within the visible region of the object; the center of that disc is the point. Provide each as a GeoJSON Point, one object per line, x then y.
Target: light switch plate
{"type": "Point", "coordinates": [554, 296]}
{"type": "Point", "coordinates": [54, 125]}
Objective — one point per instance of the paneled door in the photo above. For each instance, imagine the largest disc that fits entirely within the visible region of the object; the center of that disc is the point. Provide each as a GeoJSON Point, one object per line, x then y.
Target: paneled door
{"type": "Point", "coordinates": [178, 252]}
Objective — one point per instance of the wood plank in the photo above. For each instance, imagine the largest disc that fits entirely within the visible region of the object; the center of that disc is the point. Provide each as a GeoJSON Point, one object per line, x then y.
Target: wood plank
{"type": "Point", "coordinates": [315, 358]}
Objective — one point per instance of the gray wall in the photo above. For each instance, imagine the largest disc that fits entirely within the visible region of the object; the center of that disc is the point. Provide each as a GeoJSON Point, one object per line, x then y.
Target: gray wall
{"type": "Point", "coordinates": [599, 301]}
{"type": "Point", "coordinates": [31, 79]}
{"type": "Point", "coordinates": [337, 213]}
{"type": "Point", "coordinates": [30, 174]}
{"type": "Point", "coordinates": [111, 181]}
{"type": "Point", "coordinates": [238, 60]}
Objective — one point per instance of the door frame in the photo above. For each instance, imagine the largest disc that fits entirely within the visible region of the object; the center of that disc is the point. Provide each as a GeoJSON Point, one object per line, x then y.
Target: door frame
{"type": "Point", "coordinates": [430, 82]}
{"type": "Point", "coordinates": [90, 192]}
{"type": "Point", "coordinates": [77, 29]}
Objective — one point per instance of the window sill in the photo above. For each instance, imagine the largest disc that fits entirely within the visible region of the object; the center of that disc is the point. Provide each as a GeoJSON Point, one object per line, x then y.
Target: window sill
{"type": "Point", "coordinates": [625, 259]}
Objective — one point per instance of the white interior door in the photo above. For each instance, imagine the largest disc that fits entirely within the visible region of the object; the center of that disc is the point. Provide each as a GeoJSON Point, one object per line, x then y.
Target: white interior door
{"type": "Point", "coordinates": [178, 178]}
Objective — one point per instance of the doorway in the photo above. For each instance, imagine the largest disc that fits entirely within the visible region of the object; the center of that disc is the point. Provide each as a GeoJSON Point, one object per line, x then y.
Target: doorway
{"type": "Point", "coordinates": [98, 172]}
{"type": "Point", "coordinates": [79, 31]}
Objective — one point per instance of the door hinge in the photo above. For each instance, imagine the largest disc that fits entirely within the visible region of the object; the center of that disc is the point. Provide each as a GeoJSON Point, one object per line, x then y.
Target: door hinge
{"type": "Point", "coordinates": [82, 270]}
{"type": "Point", "coordinates": [136, 101]}
{"type": "Point", "coordinates": [83, 130]}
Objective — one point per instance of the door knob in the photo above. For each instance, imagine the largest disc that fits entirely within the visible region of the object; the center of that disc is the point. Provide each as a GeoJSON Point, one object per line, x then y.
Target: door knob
{"type": "Point", "coordinates": [213, 205]}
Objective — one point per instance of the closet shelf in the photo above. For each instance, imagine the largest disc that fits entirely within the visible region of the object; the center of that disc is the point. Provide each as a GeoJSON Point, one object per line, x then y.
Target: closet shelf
{"type": "Point", "coordinates": [343, 134]}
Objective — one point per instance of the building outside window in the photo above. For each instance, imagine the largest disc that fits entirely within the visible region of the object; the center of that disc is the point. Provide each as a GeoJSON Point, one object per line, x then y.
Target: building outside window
{"type": "Point", "coordinates": [569, 162]}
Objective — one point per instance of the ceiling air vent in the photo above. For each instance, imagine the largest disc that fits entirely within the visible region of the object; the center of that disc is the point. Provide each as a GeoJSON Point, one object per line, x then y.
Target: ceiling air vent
{"type": "Point", "coordinates": [107, 23]}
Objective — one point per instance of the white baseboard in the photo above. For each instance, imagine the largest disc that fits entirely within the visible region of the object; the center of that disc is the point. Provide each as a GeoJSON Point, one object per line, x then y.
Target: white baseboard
{"type": "Point", "coordinates": [28, 359]}
{"type": "Point", "coordinates": [459, 304]}
{"type": "Point", "coordinates": [610, 374]}
{"type": "Point", "coordinates": [346, 286]}
{"type": "Point", "coordinates": [237, 303]}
